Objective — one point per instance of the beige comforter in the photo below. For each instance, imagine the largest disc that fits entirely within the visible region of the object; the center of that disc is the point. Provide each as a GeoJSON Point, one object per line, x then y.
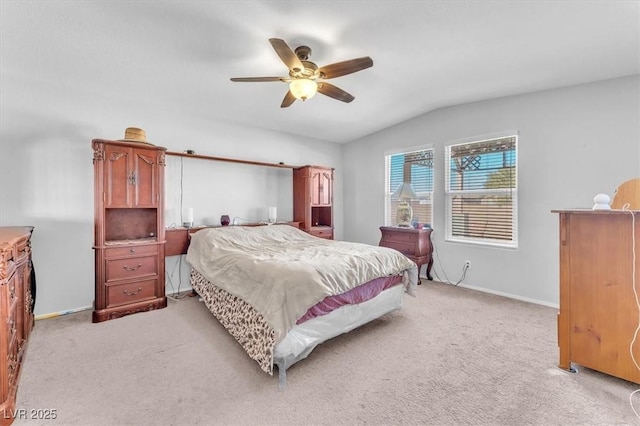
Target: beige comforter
{"type": "Point", "coordinates": [282, 271]}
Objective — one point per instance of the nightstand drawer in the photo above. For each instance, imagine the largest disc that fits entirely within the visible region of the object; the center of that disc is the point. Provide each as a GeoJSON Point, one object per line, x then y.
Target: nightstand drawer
{"type": "Point", "coordinates": [401, 237]}
{"type": "Point", "coordinates": [131, 267]}
{"type": "Point", "coordinates": [404, 248]}
{"type": "Point", "coordinates": [122, 294]}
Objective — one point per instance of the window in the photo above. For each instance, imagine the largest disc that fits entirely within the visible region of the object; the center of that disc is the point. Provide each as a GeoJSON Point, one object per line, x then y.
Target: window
{"type": "Point", "coordinates": [481, 192]}
{"type": "Point", "coordinates": [415, 167]}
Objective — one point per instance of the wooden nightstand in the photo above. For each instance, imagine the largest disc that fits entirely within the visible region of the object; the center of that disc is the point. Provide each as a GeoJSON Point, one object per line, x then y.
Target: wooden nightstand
{"type": "Point", "coordinates": [413, 243]}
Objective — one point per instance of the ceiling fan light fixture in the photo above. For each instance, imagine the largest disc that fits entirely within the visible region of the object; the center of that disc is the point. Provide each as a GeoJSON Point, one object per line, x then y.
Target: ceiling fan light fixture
{"type": "Point", "coordinates": [303, 88]}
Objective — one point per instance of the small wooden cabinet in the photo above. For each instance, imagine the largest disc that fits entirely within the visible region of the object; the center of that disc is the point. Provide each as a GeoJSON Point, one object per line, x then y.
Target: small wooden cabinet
{"type": "Point", "coordinates": [130, 176]}
{"type": "Point", "coordinates": [313, 200]}
{"type": "Point", "coordinates": [16, 312]}
{"type": "Point", "coordinates": [414, 243]}
{"type": "Point", "coordinates": [598, 314]}
{"type": "Point", "coordinates": [129, 228]}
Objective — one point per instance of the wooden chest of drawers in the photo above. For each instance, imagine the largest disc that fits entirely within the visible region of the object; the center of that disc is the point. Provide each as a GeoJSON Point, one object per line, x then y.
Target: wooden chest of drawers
{"type": "Point", "coordinates": [131, 279]}
{"type": "Point", "coordinates": [16, 312]}
{"type": "Point", "coordinates": [413, 243]}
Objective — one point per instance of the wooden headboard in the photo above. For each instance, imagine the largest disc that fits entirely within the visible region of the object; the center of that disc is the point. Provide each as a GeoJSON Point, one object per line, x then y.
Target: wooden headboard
{"type": "Point", "coordinates": [178, 240]}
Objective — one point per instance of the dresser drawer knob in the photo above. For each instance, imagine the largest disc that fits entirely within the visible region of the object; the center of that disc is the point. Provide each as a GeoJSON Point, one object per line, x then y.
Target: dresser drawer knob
{"type": "Point", "coordinates": [132, 250]}
{"type": "Point", "coordinates": [126, 268]}
{"type": "Point", "coordinates": [132, 293]}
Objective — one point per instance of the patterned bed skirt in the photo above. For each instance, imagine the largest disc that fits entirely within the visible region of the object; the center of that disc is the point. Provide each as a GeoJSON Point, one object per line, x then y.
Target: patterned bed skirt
{"type": "Point", "coordinates": [240, 319]}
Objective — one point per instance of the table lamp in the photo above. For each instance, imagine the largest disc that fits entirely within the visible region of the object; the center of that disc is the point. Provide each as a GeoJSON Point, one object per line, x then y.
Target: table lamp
{"type": "Point", "coordinates": [404, 213]}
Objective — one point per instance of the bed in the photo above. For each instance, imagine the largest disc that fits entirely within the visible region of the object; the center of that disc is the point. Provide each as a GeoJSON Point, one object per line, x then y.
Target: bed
{"type": "Point", "coordinates": [280, 292]}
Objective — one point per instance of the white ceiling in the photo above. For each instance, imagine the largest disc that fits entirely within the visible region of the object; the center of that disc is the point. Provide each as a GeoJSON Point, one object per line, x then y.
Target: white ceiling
{"type": "Point", "coordinates": [426, 54]}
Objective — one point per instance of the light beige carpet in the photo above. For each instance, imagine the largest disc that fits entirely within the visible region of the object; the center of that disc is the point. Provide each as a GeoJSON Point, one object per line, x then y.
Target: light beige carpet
{"type": "Point", "coordinates": [451, 356]}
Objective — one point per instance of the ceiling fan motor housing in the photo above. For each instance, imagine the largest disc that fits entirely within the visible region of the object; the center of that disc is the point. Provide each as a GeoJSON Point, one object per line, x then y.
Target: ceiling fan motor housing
{"type": "Point", "coordinates": [304, 73]}
{"type": "Point", "coordinates": [303, 52]}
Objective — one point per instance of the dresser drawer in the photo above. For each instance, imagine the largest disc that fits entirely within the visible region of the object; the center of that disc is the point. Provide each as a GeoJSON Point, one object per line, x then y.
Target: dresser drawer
{"type": "Point", "coordinates": [131, 267]}
{"type": "Point", "coordinates": [322, 232]}
{"type": "Point", "coordinates": [122, 294]}
{"type": "Point", "coordinates": [131, 250]}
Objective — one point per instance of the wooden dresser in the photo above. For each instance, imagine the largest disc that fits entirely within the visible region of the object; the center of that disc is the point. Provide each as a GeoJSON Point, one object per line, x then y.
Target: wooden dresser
{"type": "Point", "coordinates": [414, 243]}
{"type": "Point", "coordinates": [16, 312]}
{"type": "Point", "coordinates": [598, 313]}
{"type": "Point", "coordinates": [129, 228]}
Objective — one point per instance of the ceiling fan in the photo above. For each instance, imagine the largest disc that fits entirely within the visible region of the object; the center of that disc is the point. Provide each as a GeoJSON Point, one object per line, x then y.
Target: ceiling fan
{"type": "Point", "coordinates": [306, 78]}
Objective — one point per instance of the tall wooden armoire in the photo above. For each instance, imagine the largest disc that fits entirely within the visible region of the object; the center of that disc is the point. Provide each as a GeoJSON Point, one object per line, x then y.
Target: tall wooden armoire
{"type": "Point", "coordinates": [129, 228]}
{"type": "Point", "coordinates": [313, 200]}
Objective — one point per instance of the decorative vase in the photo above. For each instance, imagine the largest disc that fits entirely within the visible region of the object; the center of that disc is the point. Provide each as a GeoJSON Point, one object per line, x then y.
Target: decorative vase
{"type": "Point", "coordinates": [224, 220]}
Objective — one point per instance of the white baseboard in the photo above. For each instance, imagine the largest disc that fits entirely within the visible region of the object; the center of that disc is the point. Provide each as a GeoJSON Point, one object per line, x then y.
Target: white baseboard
{"type": "Point", "coordinates": [58, 314]}
{"type": "Point", "coordinates": [509, 295]}
{"type": "Point", "coordinates": [86, 308]}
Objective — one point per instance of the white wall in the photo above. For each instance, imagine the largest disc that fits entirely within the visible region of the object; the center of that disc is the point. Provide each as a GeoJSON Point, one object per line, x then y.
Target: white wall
{"type": "Point", "coordinates": [574, 143]}
{"type": "Point", "coordinates": [46, 177]}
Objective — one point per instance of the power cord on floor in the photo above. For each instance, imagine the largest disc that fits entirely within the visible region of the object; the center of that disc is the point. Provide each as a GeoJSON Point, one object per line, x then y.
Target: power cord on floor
{"type": "Point", "coordinates": [175, 295]}
{"type": "Point", "coordinates": [635, 293]}
{"type": "Point", "coordinates": [465, 268]}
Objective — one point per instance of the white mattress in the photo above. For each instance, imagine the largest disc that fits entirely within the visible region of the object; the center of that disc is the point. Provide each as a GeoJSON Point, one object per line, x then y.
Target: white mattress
{"type": "Point", "coordinates": [303, 338]}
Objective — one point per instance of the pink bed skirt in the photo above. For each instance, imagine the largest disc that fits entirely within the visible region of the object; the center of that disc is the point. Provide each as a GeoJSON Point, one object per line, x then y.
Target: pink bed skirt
{"type": "Point", "coordinates": [356, 295]}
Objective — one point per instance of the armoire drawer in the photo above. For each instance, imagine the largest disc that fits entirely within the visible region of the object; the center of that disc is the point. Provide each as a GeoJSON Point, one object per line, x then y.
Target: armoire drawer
{"type": "Point", "coordinates": [322, 233]}
{"type": "Point", "coordinates": [122, 294]}
{"type": "Point", "coordinates": [131, 250]}
{"type": "Point", "coordinates": [131, 267]}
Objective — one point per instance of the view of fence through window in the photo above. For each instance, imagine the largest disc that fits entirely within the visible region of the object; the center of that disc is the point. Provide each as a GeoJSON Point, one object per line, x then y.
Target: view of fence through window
{"type": "Point", "coordinates": [416, 168]}
{"type": "Point", "coordinates": [481, 188]}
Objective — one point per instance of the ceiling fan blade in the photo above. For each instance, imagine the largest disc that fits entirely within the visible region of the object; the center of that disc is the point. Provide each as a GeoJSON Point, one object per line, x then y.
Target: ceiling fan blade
{"type": "Point", "coordinates": [346, 67]}
{"type": "Point", "coordinates": [334, 92]}
{"type": "Point", "coordinates": [288, 100]}
{"type": "Point", "coordinates": [258, 79]}
{"type": "Point", "coordinates": [287, 55]}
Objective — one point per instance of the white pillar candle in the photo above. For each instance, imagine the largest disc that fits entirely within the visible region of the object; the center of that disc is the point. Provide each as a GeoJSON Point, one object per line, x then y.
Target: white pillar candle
{"type": "Point", "coordinates": [273, 214]}
{"type": "Point", "coordinates": [188, 215]}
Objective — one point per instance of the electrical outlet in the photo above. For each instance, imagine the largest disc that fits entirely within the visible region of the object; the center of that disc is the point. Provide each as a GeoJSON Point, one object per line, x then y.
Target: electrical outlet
{"type": "Point", "coordinates": [467, 264]}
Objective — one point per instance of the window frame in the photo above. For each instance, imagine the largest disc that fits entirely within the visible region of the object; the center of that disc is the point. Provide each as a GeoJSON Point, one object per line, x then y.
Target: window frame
{"type": "Point", "coordinates": [425, 196]}
{"type": "Point", "coordinates": [450, 194]}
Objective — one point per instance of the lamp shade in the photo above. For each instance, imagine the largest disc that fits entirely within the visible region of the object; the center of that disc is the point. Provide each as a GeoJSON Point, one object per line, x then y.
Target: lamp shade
{"type": "Point", "coordinates": [405, 192]}
{"type": "Point", "coordinates": [303, 88]}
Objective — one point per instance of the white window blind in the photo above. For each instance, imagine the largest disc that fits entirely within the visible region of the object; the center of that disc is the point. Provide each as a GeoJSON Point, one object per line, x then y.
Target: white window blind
{"type": "Point", "coordinates": [415, 167]}
{"type": "Point", "coordinates": [481, 192]}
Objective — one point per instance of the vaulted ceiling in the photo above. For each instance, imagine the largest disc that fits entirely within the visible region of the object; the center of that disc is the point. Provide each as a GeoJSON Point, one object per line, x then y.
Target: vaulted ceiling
{"type": "Point", "coordinates": [427, 54]}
